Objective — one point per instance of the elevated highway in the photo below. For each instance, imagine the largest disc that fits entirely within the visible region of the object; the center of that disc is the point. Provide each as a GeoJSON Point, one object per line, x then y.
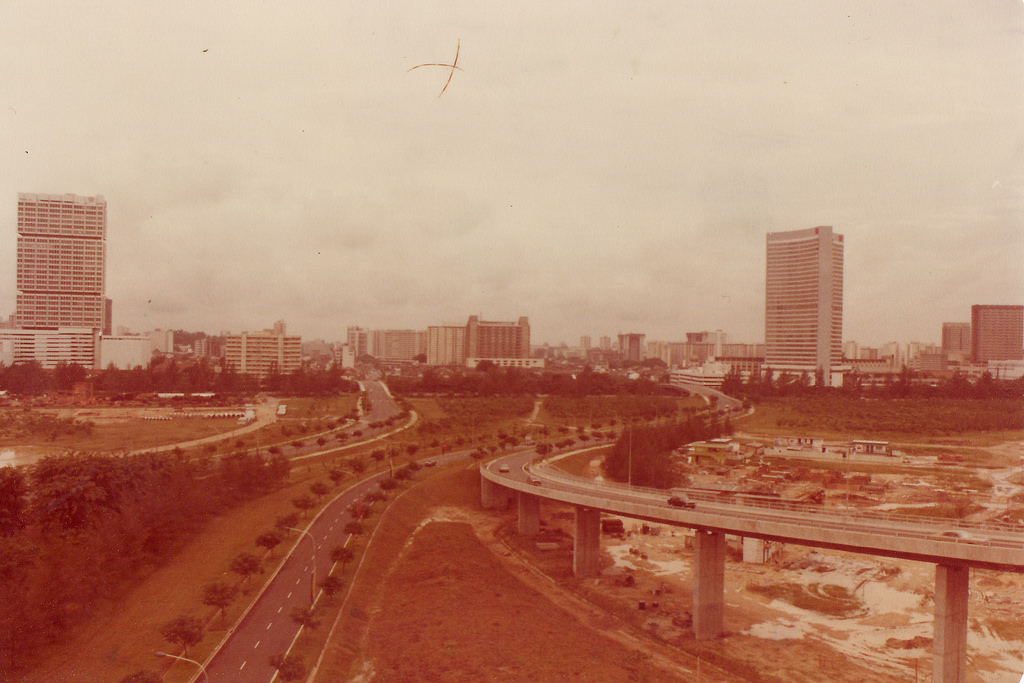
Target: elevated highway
{"type": "Point", "coordinates": [954, 547]}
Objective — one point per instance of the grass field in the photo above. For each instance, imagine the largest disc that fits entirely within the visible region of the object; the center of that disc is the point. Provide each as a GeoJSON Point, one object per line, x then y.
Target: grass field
{"type": "Point", "coordinates": [467, 422]}
{"type": "Point", "coordinates": [599, 411]}
{"type": "Point", "coordinates": [317, 408]}
{"type": "Point", "coordinates": [130, 435]}
{"type": "Point", "coordinates": [939, 421]}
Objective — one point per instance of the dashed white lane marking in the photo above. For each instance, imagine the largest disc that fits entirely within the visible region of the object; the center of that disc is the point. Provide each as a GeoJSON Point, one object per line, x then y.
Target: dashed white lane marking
{"type": "Point", "coordinates": [243, 665]}
{"type": "Point", "coordinates": [256, 645]}
{"type": "Point", "coordinates": [269, 625]}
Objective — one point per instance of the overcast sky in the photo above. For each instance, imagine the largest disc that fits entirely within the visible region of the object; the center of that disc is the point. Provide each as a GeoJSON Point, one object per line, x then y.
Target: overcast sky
{"type": "Point", "coordinates": [599, 167]}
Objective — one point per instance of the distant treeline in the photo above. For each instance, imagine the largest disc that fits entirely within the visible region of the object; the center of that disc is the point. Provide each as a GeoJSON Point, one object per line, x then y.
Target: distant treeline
{"type": "Point", "coordinates": [906, 384]}
{"type": "Point", "coordinates": [647, 450]}
{"type": "Point", "coordinates": [938, 416]}
{"type": "Point", "coordinates": [167, 375]}
{"type": "Point", "coordinates": [76, 528]}
{"type": "Point", "coordinates": [490, 380]}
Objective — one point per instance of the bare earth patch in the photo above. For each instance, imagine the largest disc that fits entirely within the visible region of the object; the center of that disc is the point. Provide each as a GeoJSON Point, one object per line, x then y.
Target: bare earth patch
{"type": "Point", "coordinates": [451, 611]}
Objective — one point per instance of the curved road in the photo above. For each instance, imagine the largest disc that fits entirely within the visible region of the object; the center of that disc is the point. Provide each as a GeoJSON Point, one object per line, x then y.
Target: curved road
{"type": "Point", "coordinates": [266, 628]}
{"type": "Point", "coordinates": [990, 546]}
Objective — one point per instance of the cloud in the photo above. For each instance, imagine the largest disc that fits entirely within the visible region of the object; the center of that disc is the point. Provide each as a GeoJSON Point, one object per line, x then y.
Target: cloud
{"type": "Point", "coordinates": [595, 172]}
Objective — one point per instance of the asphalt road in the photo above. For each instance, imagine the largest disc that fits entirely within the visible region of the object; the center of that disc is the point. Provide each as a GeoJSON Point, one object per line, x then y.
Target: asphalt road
{"type": "Point", "coordinates": [267, 628]}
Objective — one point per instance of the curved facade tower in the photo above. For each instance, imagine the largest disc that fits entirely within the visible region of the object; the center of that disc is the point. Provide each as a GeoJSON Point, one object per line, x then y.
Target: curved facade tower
{"type": "Point", "coordinates": [804, 303]}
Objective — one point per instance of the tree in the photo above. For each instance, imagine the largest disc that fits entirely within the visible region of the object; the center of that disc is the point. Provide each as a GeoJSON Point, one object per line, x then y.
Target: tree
{"type": "Point", "coordinates": [26, 378]}
{"type": "Point", "coordinates": [331, 585]}
{"type": "Point", "coordinates": [342, 554]}
{"type": "Point", "coordinates": [303, 503]}
{"type": "Point", "coordinates": [305, 616]}
{"type": "Point", "coordinates": [13, 492]}
{"type": "Point", "coordinates": [319, 489]}
{"type": "Point", "coordinates": [354, 528]}
{"type": "Point", "coordinates": [336, 475]}
{"type": "Point", "coordinates": [245, 565]}
{"type": "Point", "coordinates": [289, 667]}
{"type": "Point", "coordinates": [219, 595]}
{"type": "Point", "coordinates": [184, 631]}
{"type": "Point", "coordinates": [66, 375]}
{"type": "Point", "coordinates": [285, 521]}
{"type": "Point", "coordinates": [269, 540]}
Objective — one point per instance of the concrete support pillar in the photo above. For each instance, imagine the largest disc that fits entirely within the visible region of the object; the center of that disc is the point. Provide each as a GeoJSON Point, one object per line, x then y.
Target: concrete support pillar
{"type": "Point", "coordinates": [529, 514]}
{"type": "Point", "coordinates": [503, 497]}
{"type": "Point", "coordinates": [586, 544]}
{"type": "Point", "coordinates": [753, 550]}
{"type": "Point", "coordinates": [949, 647]}
{"type": "Point", "coordinates": [708, 584]}
{"type": "Point", "coordinates": [487, 490]}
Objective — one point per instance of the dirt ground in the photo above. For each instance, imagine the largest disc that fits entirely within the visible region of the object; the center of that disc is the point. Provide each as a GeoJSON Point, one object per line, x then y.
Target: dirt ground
{"type": "Point", "coordinates": [807, 612]}
{"type": "Point", "coordinates": [462, 606]}
{"type": "Point", "coordinates": [805, 615]}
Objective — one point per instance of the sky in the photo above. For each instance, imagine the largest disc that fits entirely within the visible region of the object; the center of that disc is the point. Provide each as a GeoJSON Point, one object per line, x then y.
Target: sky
{"type": "Point", "coordinates": [598, 167]}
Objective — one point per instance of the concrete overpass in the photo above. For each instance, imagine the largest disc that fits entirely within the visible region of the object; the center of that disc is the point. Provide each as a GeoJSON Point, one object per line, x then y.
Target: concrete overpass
{"type": "Point", "coordinates": [954, 547]}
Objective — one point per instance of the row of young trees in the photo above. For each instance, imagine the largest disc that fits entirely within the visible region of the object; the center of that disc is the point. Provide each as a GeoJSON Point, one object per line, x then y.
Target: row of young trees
{"type": "Point", "coordinates": [905, 384]}
{"type": "Point", "coordinates": [187, 631]}
{"type": "Point", "coordinates": [643, 455]}
{"type": "Point", "coordinates": [490, 380]}
{"type": "Point", "coordinates": [167, 375]}
{"type": "Point", "coordinates": [75, 528]}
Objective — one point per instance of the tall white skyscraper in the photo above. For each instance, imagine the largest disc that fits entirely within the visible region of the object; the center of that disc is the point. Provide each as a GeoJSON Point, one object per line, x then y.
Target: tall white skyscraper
{"type": "Point", "coordinates": [62, 256]}
{"type": "Point", "coordinates": [804, 303]}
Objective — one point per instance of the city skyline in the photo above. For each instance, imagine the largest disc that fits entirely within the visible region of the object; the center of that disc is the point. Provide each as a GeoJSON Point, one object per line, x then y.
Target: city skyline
{"type": "Point", "coordinates": [289, 166]}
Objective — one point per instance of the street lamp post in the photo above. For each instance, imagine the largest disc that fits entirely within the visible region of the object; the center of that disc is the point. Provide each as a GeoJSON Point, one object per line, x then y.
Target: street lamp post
{"type": "Point", "coordinates": [312, 577]}
{"type": "Point", "coordinates": [202, 669]}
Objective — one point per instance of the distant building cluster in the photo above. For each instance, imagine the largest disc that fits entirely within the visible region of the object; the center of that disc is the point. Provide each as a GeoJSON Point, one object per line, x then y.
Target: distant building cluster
{"type": "Point", "coordinates": [63, 317]}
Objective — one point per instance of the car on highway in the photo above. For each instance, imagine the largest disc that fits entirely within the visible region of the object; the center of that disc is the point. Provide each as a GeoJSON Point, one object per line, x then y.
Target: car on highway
{"type": "Point", "coordinates": [957, 535]}
{"type": "Point", "coordinates": [503, 468]}
{"type": "Point", "coordinates": [535, 481]}
{"type": "Point", "coordinates": [681, 501]}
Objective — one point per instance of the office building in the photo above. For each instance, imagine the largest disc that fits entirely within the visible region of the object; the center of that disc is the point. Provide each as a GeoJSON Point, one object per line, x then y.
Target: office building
{"type": "Point", "coordinates": [397, 344]}
{"type": "Point", "coordinates": [125, 352]}
{"type": "Point", "coordinates": [446, 345]}
{"type": "Point", "coordinates": [997, 333]}
{"type": "Point", "coordinates": [631, 347]}
{"type": "Point", "coordinates": [359, 341]}
{"type": "Point", "coordinates": [61, 266]}
{"type": "Point", "coordinates": [50, 348]}
{"type": "Point", "coordinates": [491, 340]}
{"type": "Point", "coordinates": [263, 353]}
{"type": "Point", "coordinates": [804, 303]}
{"type": "Point", "coordinates": [956, 338]}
